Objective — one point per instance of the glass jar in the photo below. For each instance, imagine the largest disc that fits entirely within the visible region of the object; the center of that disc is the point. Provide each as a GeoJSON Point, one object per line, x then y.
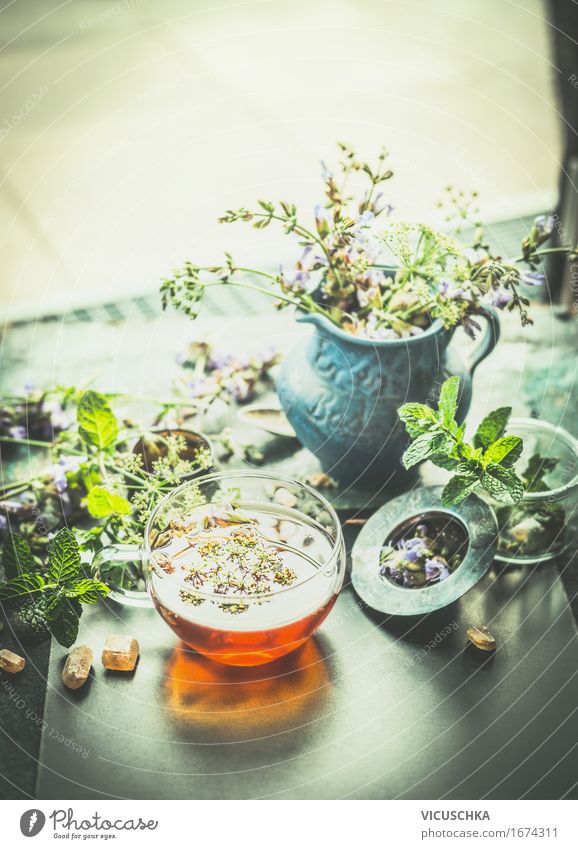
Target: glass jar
{"type": "Point", "coordinates": [542, 525]}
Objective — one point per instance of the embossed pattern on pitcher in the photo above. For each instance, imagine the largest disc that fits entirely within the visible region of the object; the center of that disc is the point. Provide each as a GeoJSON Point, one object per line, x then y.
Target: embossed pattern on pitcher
{"type": "Point", "coordinates": [341, 394]}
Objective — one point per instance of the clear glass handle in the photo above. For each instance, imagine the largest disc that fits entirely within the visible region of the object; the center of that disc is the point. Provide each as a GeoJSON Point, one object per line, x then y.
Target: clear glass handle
{"type": "Point", "coordinates": [121, 568]}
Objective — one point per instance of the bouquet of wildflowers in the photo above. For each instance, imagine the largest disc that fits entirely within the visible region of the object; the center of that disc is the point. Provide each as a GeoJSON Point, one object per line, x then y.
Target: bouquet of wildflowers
{"type": "Point", "coordinates": [377, 280]}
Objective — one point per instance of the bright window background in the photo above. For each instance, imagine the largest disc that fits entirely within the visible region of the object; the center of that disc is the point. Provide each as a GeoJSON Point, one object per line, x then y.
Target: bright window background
{"type": "Point", "coordinates": [129, 126]}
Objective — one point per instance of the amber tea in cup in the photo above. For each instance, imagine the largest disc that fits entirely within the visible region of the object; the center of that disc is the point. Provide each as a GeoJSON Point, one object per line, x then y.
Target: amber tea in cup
{"type": "Point", "coordinates": [244, 566]}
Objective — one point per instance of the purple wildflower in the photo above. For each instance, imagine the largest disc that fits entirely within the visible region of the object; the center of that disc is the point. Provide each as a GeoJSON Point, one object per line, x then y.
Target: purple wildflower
{"type": "Point", "coordinates": [381, 334]}
{"type": "Point", "coordinates": [268, 354]}
{"type": "Point", "coordinates": [201, 387]}
{"type": "Point", "coordinates": [532, 278]}
{"type": "Point", "coordinates": [394, 575]}
{"type": "Point", "coordinates": [66, 465]}
{"type": "Point", "coordinates": [450, 291]}
{"type": "Point", "coordinates": [218, 361]}
{"type": "Point", "coordinates": [432, 570]}
{"type": "Point", "coordinates": [59, 479]}
{"type": "Point", "coordinates": [500, 298]}
{"type": "Point", "coordinates": [71, 464]}
{"type": "Point", "coordinates": [365, 219]}
{"type": "Point", "coordinates": [322, 222]}
{"type": "Point", "coordinates": [321, 213]}
{"type": "Point", "coordinates": [293, 279]}
{"type": "Point", "coordinates": [238, 388]}
{"type": "Point", "coordinates": [60, 419]}
{"type": "Point", "coordinates": [543, 227]}
{"type": "Point", "coordinates": [372, 331]}
{"type": "Point", "coordinates": [365, 296]}
{"type": "Point", "coordinates": [377, 206]}
{"type": "Point", "coordinates": [17, 432]}
{"type": "Point", "coordinates": [444, 572]}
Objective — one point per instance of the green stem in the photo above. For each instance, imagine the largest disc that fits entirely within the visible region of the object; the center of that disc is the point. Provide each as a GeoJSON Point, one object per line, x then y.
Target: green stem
{"type": "Point", "coordinates": [35, 442]}
{"type": "Point", "coordinates": [307, 303]}
{"type": "Point", "coordinates": [243, 285]}
{"type": "Point", "coordinates": [254, 271]}
{"type": "Point", "coordinates": [126, 474]}
{"type": "Point", "coordinates": [132, 396]}
{"type": "Point", "coordinates": [12, 489]}
{"type": "Point", "coordinates": [41, 444]}
{"type": "Point", "coordinates": [539, 253]}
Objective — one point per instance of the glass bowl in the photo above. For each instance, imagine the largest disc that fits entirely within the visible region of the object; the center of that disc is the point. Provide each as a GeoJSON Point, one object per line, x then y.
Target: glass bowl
{"type": "Point", "coordinates": [244, 566]}
{"type": "Point", "coordinates": [543, 524]}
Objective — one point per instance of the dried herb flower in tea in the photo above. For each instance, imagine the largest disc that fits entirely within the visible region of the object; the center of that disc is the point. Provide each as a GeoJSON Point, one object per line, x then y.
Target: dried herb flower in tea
{"type": "Point", "coordinates": [234, 579]}
{"type": "Point", "coordinates": [427, 552]}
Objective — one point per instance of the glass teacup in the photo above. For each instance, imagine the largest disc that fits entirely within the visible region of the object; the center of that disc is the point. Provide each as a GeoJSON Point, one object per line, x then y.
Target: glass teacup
{"type": "Point", "coordinates": [243, 566]}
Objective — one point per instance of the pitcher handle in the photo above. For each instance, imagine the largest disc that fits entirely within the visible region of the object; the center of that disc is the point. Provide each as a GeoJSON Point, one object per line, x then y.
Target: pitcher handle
{"type": "Point", "coordinates": [487, 341]}
{"type": "Point", "coordinates": [113, 566]}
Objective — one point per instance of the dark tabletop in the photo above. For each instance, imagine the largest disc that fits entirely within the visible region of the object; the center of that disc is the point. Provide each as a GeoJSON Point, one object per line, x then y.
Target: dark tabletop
{"type": "Point", "coordinates": [370, 707]}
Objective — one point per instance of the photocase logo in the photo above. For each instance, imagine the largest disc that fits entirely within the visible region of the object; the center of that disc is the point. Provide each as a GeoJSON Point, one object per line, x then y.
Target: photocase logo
{"type": "Point", "coordinates": [32, 822]}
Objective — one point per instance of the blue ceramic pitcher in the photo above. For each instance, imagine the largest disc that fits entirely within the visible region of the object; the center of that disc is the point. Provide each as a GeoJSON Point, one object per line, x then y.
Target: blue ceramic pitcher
{"type": "Point", "coordinates": [341, 394]}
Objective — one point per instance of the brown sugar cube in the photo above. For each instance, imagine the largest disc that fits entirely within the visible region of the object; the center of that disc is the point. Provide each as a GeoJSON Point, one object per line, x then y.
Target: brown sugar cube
{"type": "Point", "coordinates": [481, 638]}
{"type": "Point", "coordinates": [120, 652]}
{"type": "Point", "coordinates": [77, 667]}
{"type": "Point", "coordinates": [11, 662]}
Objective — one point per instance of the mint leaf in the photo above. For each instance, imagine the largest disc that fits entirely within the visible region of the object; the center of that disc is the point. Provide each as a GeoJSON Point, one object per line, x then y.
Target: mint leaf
{"type": "Point", "coordinates": [458, 488]}
{"type": "Point", "coordinates": [97, 423]}
{"type": "Point", "coordinates": [102, 503]}
{"type": "Point", "coordinates": [414, 411]}
{"type": "Point", "coordinates": [470, 467]}
{"type": "Point", "coordinates": [504, 451]}
{"type": "Point", "coordinates": [418, 418]}
{"type": "Point", "coordinates": [31, 616]}
{"type": "Point", "coordinates": [492, 427]}
{"type": "Point", "coordinates": [444, 461]}
{"type": "Point", "coordinates": [21, 586]}
{"type": "Point", "coordinates": [448, 400]}
{"type": "Point", "coordinates": [87, 591]}
{"type": "Point", "coordinates": [63, 557]}
{"type": "Point", "coordinates": [538, 467]}
{"type": "Point", "coordinates": [52, 604]}
{"type": "Point", "coordinates": [63, 616]}
{"type": "Point", "coordinates": [17, 556]}
{"type": "Point", "coordinates": [422, 447]}
{"type": "Point", "coordinates": [502, 483]}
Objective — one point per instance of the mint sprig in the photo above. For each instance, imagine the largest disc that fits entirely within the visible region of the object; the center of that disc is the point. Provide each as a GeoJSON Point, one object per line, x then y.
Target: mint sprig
{"type": "Point", "coordinates": [486, 462]}
{"type": "Point", "coordinates": [58, 597]}
{"type": "Point", "coordinates": [63, 558]}
{"type": "Point", "coordinates": [98, 425]}
{"type": "Point", "coordinates": [17, 556]}
{"type": "Point", "coordinates": [102, 503]}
